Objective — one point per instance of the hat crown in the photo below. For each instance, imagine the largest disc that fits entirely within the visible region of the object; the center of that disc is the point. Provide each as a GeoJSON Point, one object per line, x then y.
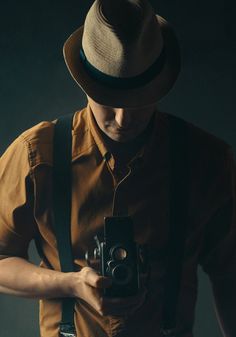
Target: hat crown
{"type": "Point", "coordinates": [121, 38]}
{"type": "Point", "coordinates": [125, 16]}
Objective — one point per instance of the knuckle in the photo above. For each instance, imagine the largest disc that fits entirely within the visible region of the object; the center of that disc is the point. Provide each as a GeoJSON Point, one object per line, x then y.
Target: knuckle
{"type": "Point", "coordinates": [102, 304]}
{"type": "Point", "coordinates": [97, 282]}
{"type": "Point", "coordinates": [100, 310]}
{"type": "Point", "coordinates": [85, 271]}
{"type": "Point", "coordinates": [101, 307]}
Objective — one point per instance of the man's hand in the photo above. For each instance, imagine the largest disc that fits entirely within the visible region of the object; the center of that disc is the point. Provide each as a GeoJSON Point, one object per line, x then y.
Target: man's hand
{"type": "Point", "coordinates": [88, 285]}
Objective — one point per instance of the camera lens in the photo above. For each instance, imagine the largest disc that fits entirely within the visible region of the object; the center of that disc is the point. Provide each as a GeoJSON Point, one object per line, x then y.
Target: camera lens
{"type": "Point", "coordinates": [121, 274]}
{"type": "Point", "coordinates": [119, 253]}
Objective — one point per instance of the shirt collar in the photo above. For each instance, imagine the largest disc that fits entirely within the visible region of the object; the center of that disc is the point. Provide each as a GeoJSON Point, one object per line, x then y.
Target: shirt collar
{"type": "Point", "coordinates": [94, 129]}
{"type": "Point", "coordinates": [141, 156]}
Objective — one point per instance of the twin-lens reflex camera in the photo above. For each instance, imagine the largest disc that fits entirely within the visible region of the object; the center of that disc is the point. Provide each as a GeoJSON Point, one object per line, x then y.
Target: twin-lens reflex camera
{"type": "Point", "coordinates": [119, 257]}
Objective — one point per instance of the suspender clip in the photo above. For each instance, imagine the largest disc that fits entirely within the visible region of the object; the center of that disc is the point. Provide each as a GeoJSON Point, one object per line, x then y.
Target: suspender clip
{"type": "Point", "coordinates": [67, 330]}
{"type": "Point", "coordinates": [168, 332]}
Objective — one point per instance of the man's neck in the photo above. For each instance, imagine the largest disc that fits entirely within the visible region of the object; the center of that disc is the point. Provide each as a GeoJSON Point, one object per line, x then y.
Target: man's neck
{"type": "Point", "coordinates": [124, 151]}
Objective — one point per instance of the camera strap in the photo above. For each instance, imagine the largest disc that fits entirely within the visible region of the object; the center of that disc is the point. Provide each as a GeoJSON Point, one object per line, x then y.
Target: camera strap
{"type": "Point", "coordinates": [62, 195]}
{"type": "Point", "coordinates": [61, 179]}
{"type": "Point", "coordinates": [177, 223]}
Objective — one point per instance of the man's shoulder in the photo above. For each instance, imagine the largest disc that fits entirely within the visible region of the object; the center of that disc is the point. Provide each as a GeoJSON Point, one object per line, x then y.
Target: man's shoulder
{"type": "Point", "coordinates": [39, 133]}
{"type": "Point", "coordinates": [200, 141]}
{"type": "Point", "coordinates": [210, 161]}
{"type": "Point", "coordinates": [39, 138]}
{"type": "Point", "coordinates": [210, 165]}
{"type": "Point", "coordinates": [210, 158]}
{"type": "Point", "coordinates": [208, 153]}
{"type": "Point", "coordinates": [205, 141]}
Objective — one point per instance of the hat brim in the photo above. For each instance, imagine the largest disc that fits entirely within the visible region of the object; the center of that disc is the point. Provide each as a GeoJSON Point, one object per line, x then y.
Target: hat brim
{"type": "Point", "coordinates": [146, 95]}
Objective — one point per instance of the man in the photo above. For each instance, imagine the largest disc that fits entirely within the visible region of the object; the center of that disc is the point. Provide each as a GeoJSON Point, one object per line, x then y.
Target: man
{"type": "Point", "coordinates": [126, 59]}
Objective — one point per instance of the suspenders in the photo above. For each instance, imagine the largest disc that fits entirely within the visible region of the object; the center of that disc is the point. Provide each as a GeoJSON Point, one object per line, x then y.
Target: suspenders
{"type": "Point", "coordinates": [62, 148]}
{"type": "Point", "coordinates": [177, 223]}
{"type": "Point", "coordinates": [62, 184]}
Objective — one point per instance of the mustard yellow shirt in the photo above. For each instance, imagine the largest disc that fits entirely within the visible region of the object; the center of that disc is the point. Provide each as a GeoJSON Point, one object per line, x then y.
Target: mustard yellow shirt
{"type": "Point", "coordinates": [143, 187]}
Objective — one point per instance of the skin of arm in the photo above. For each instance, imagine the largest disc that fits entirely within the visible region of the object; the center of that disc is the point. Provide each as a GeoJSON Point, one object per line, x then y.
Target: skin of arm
{"type": "Point", "coordinates": [21, 278]}
{"type": "Point", "coordinates": [224, 291]}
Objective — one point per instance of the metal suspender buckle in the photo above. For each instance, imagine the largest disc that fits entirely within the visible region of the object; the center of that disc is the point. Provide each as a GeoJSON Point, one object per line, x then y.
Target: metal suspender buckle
{"type": "Point", "coordinates": [67, 330]}
{"type": "Point", "coordinates": [167, 332]}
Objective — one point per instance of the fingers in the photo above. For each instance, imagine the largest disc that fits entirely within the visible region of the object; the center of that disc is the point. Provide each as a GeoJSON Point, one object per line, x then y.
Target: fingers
{"type": "Point", "coordinates": [93, 279]}
{"type": "Point", "coordinates": [91, 292]}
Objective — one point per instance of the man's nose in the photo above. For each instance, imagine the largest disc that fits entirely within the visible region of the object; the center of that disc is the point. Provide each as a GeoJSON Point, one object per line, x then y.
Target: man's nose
{"type": "Point", "coordinates": [122, 118]}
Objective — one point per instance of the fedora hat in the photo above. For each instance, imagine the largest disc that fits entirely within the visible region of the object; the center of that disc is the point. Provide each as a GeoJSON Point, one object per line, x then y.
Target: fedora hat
{"type": "Point", "coordinates": [124, 55]}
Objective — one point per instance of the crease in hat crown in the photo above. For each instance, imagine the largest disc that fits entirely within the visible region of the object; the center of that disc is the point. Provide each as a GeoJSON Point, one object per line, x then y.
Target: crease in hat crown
{"type": "Point", "coordinates": [112, 46]}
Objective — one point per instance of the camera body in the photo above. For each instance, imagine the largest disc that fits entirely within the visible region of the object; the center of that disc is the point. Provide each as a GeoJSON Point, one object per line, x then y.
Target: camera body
{"type": "Point", "coordinates": [120, 257]}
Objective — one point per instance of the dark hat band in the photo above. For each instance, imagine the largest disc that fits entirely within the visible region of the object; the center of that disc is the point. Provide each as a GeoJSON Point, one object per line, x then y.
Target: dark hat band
{"type": "Point", "coordinates": [125, 82]}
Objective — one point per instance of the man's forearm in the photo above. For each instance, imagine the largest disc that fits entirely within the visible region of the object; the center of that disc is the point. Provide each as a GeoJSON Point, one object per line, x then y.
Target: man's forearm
{"type": "Point", "coordinates": [225, 301]}
{"type": "Point", "coordinates": [22, 278]}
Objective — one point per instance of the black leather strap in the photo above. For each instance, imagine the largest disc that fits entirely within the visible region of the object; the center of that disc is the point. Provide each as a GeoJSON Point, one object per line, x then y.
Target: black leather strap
{"type": "Point", "coordinates": [62, 153]}
{"type": "Point", "coordinates": [177, 223]}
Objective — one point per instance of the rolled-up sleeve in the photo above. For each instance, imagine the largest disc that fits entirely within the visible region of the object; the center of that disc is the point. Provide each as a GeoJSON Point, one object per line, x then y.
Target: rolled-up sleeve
{"type": "Point", "coordinates": [218, 256]}
{"type": "Point", "coordinates": [17, 222]}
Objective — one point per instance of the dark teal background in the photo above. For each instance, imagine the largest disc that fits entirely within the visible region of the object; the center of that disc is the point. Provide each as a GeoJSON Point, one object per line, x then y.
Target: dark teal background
{"type": "Point", "coordinates": [35, 86]}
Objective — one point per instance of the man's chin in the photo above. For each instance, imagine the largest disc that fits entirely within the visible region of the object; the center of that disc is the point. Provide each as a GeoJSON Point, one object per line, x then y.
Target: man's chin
{"type": "Point", "coordinates": [121, 138]}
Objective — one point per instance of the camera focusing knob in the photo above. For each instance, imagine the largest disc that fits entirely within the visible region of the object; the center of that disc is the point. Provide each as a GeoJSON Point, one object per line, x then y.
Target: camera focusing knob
{"type": "Point", "coordinates": [87, 258]}
{"type": "Point", "coordinates": [93, 255]}
{"type": "Point", "coordinates": [96, 253]}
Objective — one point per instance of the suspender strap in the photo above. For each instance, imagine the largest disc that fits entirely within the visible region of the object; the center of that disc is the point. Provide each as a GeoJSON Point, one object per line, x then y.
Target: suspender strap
{"type": "Point", "coordinates": [178, 223]}
{"type": "Point", "coordinates": [62, 152]}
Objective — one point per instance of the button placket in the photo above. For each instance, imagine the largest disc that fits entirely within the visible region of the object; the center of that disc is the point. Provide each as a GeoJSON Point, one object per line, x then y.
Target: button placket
{"type": "Point", "coordinates": [118, 206]}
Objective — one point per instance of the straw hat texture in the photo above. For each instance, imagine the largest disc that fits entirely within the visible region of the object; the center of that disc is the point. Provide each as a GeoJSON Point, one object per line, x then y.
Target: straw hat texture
{"type": "Point", "coordinates": [124, 55]}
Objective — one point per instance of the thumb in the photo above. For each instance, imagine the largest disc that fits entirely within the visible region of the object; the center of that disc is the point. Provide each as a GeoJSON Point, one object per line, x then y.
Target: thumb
{"type": "Point", "coordinates": [95, 280]}
{"type": "Point", "coordinates": [105, 282]}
